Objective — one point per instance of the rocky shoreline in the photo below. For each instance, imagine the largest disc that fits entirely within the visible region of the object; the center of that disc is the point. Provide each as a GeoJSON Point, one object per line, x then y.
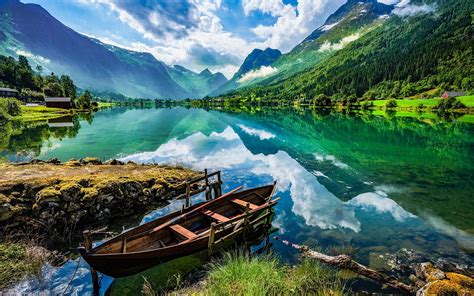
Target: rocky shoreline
{"type": "Point", "coordinates": [58, 199]}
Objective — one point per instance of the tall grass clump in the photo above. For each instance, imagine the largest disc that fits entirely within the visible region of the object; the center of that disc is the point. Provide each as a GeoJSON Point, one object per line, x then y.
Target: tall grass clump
{"type": "Point", "coordinates": [239, 274]}
{"type": "Point", "coordinates": [18, 261]}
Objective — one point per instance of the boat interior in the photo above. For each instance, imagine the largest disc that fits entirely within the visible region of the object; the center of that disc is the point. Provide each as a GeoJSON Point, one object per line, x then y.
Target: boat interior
{"type": "Point", "coordinates": [191, 227]}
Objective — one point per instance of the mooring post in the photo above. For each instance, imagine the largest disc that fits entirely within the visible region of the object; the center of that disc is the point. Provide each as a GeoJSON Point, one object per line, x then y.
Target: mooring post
{"type": "Point", "coordinates": [211, 238]}
{"type": "Point", "coordinates": [188, 195]}
{"type": "Point", "coordinates": [208, 188]}
{"type": "Point", "coordinates": [95, 278]}
{"type": "Point", "coordinates": [219, 185]}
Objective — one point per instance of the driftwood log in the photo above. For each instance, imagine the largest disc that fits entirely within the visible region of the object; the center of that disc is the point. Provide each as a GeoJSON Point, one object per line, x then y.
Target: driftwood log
{"type": "Point", "coordinates": [346, 262]}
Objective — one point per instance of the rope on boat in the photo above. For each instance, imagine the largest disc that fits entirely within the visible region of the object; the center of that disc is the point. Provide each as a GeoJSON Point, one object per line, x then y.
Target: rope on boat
{"type": "Point", "coordinates": [73, 276]}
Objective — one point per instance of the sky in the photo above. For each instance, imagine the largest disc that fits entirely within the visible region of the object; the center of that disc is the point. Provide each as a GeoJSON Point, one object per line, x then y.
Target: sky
{"type": "Point", "coordinates": [197, 34]}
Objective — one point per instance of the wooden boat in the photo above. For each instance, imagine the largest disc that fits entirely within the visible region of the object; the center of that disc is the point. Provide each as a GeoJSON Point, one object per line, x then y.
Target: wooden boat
{"type": "Point", "coordinates": [181, 233]}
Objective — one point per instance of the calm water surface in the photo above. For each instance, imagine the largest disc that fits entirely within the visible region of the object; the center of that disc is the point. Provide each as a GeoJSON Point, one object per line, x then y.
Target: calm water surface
{"type": "Point", "coordinates": [372, 183]}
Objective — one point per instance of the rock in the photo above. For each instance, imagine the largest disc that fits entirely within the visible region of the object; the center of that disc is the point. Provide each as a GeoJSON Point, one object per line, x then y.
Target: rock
{"type": "Point", "coordinates": [429, 272]}
{"type": "Point", "coordinates": [106, 199]}
{"type": "Point", "coordinates": [53, 161]}
{"type": "Point", "coordinates": [89, 194]}
{"type": "Point", "coordinates": [114, 162]}
{"type": "Point", "coordinates": [90, 160]}
{"type": "Point", "coordinates": [6, 211]}
{"type": "Point", "coordinates": [453, 284]}
{"type": "Point", "coordinates": [70, 191]}
{"type": "Point", "coordinates": [73, 162]}
{"type": "Point", "coordinates": [4, 199]}
{"type": "Point", "coordinates": [48, 194]}
{"type": "Point", "coordinates": [72, 207]}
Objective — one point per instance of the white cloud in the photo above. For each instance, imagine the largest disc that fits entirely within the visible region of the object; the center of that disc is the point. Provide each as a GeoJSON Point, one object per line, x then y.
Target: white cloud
{"type": "Point", "coordinates": [263, 71]}
{"type": "Point", "coordinates": [261, 134]}
{"type": "Point", "coordinates": [170, 38]}
{"type": "Point", "coordinates": [409, 9]}
{"type": "Point", "coordinates": [293, 23]}
{"type": "Point", "coordinates": [341, 44]}
{"type": "Point", "coordinates": [36, 58]}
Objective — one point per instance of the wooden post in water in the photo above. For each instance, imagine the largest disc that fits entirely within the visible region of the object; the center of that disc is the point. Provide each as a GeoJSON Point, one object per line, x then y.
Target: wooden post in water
{"type": "Point", "coordinates": [208, 188]}
{"type": "Point", "coordinates": [219, 185]}
{"type": "Point", "coordinates": [188, 195]}
{"type": "Point", "coordinates": [95, 278]}
{"type": "Point", "coordinates": [211, 239]}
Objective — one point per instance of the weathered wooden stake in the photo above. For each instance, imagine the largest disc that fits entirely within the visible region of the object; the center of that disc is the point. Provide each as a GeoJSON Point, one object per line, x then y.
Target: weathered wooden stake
{"type": "Point", "coordinates": [188, 195]}
{"type": "Point", "coordinates": [211, 238]}
{"type": "Point", "coordinates": [219, 185]}
{"type": "Point", "coordinates": [95, 278]}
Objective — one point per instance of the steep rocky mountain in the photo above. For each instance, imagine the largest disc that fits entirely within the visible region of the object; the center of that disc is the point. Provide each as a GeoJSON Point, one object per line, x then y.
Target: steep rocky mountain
{"type": "Point", "coordinates": [421, 46]}
{"type": "Point", "coordinates": [351, 21]}
{"type": "Point", "coordinates": [29, 30]}
{"type": "Point", "coordinates": [253, 62]}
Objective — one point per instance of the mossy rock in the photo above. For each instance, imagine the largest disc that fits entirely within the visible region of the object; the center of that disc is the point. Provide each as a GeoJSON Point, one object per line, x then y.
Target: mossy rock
{"type": "Point", "coordinates": [70, 190]}
{"type": "Point", "coordinates": [72, 162]}
{"type": "Point", "coordinates": [4, 198]}
{"type": "Point", "coordinates": [48, 194]}
{"type": "Point", "coordinates": [89, 194]}
{"type": "Point", "coordinates": [91, 160]}
{"type": "Point", "coordinates": [6, 211]}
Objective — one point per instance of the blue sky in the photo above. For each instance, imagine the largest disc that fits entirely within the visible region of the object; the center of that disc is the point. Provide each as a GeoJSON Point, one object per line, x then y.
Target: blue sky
{"type": "Point", "coordinates": [198, 34]}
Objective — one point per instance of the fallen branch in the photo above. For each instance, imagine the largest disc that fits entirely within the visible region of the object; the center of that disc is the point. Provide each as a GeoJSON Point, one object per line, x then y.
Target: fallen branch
{"type": "Point", "coordinates": [346, 262]}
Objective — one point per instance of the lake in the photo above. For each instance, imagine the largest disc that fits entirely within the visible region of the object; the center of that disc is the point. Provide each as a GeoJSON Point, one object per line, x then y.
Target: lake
{"type": "Point", "coordinates": [373, 184]}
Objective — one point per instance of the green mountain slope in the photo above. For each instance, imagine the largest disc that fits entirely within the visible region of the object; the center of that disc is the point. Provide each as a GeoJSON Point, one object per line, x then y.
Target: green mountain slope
{"type": "Point", "coordinates": [253, 62]}
{"type": "Point", "coordinates": [198, 84]}
{"type": "Point", "coordinates": [29, 30]}
{"type": "Point", "coordinates": [402, 56]}
{"type": "Point", "coordinates": [349, 22]}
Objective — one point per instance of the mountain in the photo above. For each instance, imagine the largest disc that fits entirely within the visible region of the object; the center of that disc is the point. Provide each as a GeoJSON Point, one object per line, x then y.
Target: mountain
{"type": "Point", "coordinates": [29, 30]}
{"type": "Point", "coordinates": [420, 47]}
{"type": "Point", "coordinates": [198, 84]}
{"type": "Point", "coordinates": [253, 62]}
{"type": "Point", "coordinates": [351, 21]}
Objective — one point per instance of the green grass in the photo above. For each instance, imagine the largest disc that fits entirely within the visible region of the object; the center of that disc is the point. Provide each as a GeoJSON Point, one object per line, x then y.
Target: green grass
{"type": "Point", "coordinates": [265, 275]}
{"type": "Point", "coordinates": [41, 113]}
{"type": "Point", "coordinates": [105, 105]}
{"type": "Point", "coordinates": [406, 103]}
{"type": "Point", "coordinates": [467, 100]}
{"type": "Point", "coordinates": [18, 261]}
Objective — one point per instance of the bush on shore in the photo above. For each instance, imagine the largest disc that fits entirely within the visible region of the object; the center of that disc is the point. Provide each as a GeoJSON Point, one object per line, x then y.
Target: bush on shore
{"type": "Point", "coordinates": [9, 108]}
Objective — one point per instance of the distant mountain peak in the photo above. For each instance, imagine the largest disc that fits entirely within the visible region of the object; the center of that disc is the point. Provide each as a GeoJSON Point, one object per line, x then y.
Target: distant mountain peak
{"type": "Point", "coordinates": [256, 59]}
{"type": "Point", "coordinates": [205, 72]}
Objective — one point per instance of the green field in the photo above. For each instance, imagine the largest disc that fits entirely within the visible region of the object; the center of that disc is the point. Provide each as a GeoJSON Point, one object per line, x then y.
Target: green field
{"type": "Point", "coordinates": [406, 103]}
{"type": "Point", "coordinates": [41, 113]}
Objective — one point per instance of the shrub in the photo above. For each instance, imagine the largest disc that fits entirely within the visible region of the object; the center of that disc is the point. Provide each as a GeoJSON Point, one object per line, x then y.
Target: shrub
{"type": "Point", "coordinates": [391, 104]}
{"type": "Point", "coordinates": [9, 107]}
{"type": "Point", "coordinates": [450, 104]}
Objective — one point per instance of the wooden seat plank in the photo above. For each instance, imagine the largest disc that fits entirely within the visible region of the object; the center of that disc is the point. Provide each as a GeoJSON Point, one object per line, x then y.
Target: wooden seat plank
{"type": "Point", "coordinates": [215, 216]}
{"type": "Point", "coordinates": [183, 231]}
{"type": "Point", "coordinates": [244, 203]}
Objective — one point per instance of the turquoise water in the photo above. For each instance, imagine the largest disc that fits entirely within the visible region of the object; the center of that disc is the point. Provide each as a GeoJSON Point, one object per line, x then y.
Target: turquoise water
{"type": "Point", "coordinates": [371, 184]}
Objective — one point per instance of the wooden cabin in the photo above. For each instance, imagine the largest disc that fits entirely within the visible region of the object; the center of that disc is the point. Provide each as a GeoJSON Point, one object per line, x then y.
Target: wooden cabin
{"type": "Point", "coordinates": [60, 102]}
{"type": "Point", "coordinates": [452, 94]}
{"type": "Point", "coordinates": [6, 92]}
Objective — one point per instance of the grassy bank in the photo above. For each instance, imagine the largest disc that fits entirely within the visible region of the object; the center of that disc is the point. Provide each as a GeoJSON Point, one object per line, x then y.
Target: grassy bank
{"type": "Point", "coordinates": [19, 261]}
{"type": "Point", "coordinates": [40, 113]}
{"type": "Point", "coordinates": [238, 274]}
{"type": "Point", "coordinates": [468, 101]}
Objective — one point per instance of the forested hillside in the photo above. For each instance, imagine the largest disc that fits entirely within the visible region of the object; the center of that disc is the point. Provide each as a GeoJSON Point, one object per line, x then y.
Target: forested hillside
{"type": "Point", "coordinates": [405, 56]}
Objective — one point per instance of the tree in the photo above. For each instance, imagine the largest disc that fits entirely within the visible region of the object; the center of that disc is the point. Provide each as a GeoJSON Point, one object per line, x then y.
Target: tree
{"type": "Point", "coordinates": [84, 101]}
{"type": "Point", "coordinates": [68, 86]}
{"type": "Point", "coordinates": [53, 89]}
